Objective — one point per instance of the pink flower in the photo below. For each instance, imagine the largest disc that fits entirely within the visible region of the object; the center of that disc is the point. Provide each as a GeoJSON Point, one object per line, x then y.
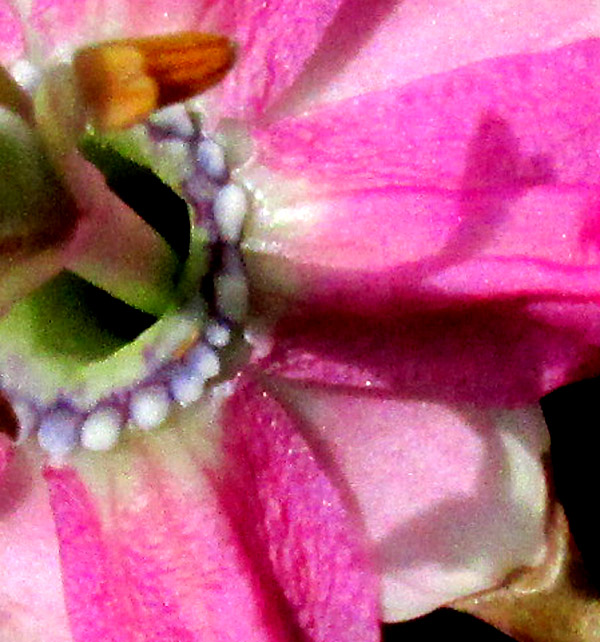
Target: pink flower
{"type": "Point", "coordinates": [425, 188]}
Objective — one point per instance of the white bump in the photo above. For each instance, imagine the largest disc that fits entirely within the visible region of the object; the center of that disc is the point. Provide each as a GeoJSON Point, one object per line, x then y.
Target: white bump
{"type": "Point", "coordinates": [100, 431]}
{"type": "Point", "coordinates": [186, 387]}
{"type": "Point", "coordinates": [217, 335]}
{"type": "Point", "coordinates": [58, 433]}
{"type": "Point", "coordinates": [26, 416]}
{"type": "Point", "coordinates": [211, 158]}
{"type": "Point", "coordinates": [173, 120]}
{"type": "Point", "coordinates": [149, 407]}
{"type": "Point", "coordinates": [232, 296]}
{"type": "Point", "coordinates": [204, 361]}
{"type": "Point", "coordinates": [26, 74]}
{"type": "Point", "coordinates": [230, 206]}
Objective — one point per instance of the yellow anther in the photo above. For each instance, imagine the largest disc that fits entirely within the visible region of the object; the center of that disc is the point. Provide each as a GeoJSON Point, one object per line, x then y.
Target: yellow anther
{"type": "Point", "coordinates": [123, 81]}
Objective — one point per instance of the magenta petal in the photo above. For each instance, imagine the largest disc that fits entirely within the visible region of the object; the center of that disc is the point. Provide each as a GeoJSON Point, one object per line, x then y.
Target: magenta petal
{"type": "Point", "coordinates": [500, 355]}
{"type": "Point", "coordinates": [481, 182]}
{"type": "Point", "coordinates": [537, 108]}
{"type": "Point", "coordinates": [157, 562]}
{"type": "Point", "coordinates": [296, 523]}
{"type": "Point", "coordinates": [96, 609]}
{"type": "Point", "coordinates": [275, 40]}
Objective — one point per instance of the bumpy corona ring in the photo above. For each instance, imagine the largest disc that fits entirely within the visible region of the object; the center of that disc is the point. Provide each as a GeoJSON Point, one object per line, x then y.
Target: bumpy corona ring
{"type": "Point", "coordinates": [185, 354]}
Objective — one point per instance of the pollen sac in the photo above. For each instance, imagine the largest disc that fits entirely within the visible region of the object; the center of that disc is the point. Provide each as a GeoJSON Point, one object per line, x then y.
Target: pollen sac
{"type": "Point", "coordinates": [123, 81]}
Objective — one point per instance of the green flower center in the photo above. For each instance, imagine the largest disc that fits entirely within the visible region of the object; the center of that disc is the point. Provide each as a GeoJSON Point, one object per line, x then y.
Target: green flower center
{"type": "Point", "coordinates": [144, 316]}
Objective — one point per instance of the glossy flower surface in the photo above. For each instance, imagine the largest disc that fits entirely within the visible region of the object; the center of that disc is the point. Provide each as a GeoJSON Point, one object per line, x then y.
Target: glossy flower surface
{"type": "Point", "coordinates": [423, 262]}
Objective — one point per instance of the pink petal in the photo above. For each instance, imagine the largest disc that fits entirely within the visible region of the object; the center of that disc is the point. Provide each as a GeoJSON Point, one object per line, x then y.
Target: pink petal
{"type": "Point", "coordinates": [275, 40]}
{"type": "Point", "coordinates": [11, 34]}
{"type": "Point", "coordinates": [31, 597]}
{"type": "Point", "coordinates": [474, 192]}
{"type": "Point", "coordinates": [481, 182]}
{"type": "Point", "coordinates": [295, 520]}
{"type": "Point", "coordinates": [397, 42]}
{"type": "Point", "coordinates": [152, 556]}
{"type": "Point", "coordinates": [61, 25]}
{"type": "Point", "coordinates": [453, 497]}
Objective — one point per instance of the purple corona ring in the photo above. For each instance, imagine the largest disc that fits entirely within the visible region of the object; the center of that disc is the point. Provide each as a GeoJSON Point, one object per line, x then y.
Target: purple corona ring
{"type": "Point", "coordinates": [281, 285]}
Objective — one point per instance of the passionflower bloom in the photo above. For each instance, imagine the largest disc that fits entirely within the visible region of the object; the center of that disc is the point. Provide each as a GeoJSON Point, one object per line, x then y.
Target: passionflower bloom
{"type": "Point", "coordinates": [296, 394]}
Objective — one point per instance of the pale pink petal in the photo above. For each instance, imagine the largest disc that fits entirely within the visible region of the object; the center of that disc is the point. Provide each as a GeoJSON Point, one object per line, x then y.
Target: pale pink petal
{"type": "Point", "coordinates": [453, 497]}
{"type": "Point", "coordinates": [275, 40]}
{"type": "Point", "coordinates": [31, 598]}
{"type": "Point", "coordinates": [151, 554]}
{"type": "Point", "coordinates": [396, 42]}
{"type": "Point", "coordinates": [503, 354]}
{"type": "Point", "coordinates": [482, 182]}
{"type": "Point", "coordinates": [61, 25]}
{"type": "Point", "coordinates": [11, 34]}
{"type": "Point", "coordinates": [296, 521]}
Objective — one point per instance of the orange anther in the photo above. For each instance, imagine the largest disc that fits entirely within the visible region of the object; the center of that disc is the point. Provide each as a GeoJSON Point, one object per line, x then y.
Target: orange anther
{"type": "Point", "coordinates": [123, 81]}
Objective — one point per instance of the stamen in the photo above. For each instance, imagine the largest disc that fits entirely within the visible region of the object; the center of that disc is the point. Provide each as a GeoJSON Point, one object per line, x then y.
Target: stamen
{"type": "Point", "coordinates": [123, 81]}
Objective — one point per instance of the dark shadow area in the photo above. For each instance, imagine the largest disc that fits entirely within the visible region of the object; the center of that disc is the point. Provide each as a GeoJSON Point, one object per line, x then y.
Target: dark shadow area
{"type": "Point", "coordinates": [494, 351]}
{"type": "Point", "coordinates": [9, 423]}
{"type": "Point", "coordinates": [572, 414]}
{"type": "Point", "coordinates": [142, 190]}
{"type": "Point", "coordinates": [443, 624]}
